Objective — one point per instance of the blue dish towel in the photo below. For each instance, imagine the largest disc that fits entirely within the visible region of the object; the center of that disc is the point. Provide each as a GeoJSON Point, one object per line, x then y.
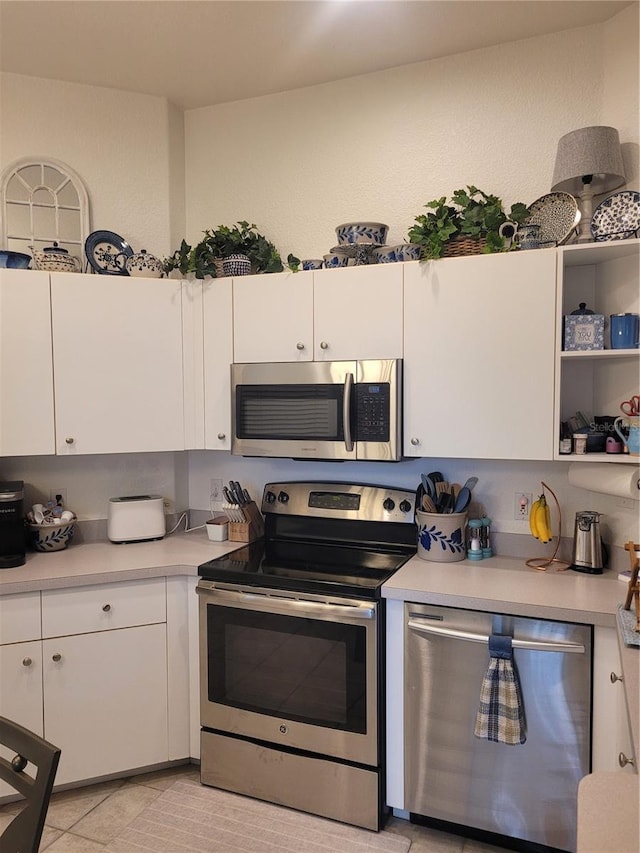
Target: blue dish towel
{"type": "Point", "coordinates": [500, 717]}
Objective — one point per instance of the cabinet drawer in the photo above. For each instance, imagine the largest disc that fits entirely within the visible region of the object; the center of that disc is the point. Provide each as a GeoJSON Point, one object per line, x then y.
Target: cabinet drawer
{"type": "Point", "coordinates": [19, 617]}
{"type": "Point", "coordinates": [103, 607]}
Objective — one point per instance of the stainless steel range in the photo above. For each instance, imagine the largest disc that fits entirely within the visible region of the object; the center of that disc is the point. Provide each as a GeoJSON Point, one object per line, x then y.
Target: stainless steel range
{"type": "Point", "coordinates": [292, 650]}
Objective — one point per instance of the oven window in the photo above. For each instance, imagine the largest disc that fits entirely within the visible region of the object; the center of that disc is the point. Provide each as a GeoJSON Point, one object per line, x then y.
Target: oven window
{"type": "Point", "coordinates": [308, 670]}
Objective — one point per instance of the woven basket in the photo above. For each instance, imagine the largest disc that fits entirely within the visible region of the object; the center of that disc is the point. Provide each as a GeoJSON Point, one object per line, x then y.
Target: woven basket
{"type": "Point", "coordinates": [459, 246]}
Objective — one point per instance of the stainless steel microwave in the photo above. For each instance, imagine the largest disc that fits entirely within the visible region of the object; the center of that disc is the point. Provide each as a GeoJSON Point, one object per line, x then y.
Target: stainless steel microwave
{"type": "Point", "coordinates": [335, 410]}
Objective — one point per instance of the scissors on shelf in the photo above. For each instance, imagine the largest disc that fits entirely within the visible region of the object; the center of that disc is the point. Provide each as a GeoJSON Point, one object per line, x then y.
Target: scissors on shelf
{"type": "Point", "coordinates": [631, 407]}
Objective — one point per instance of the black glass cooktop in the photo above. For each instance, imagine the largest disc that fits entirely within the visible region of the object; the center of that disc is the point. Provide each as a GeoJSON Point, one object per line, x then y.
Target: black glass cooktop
{"type": "Point", "coordinates": [308, 567]}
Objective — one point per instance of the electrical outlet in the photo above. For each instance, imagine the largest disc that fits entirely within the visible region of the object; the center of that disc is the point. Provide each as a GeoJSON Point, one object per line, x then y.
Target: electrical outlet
{"type": "Point", "coordinates": [521, 505]}
{"type": "Point", "coordinates": [59, 496]}
{"type": "Point", "coordinates": [215, 492]}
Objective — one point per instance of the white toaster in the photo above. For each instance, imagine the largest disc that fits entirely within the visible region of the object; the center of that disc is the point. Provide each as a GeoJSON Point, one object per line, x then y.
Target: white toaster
{"type": "Point", "coordinates": [136, 518]}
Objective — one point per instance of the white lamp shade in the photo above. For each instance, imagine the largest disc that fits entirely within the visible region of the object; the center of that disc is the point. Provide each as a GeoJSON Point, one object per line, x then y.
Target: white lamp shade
{"type": "Point", "coordinates": [589, 151]}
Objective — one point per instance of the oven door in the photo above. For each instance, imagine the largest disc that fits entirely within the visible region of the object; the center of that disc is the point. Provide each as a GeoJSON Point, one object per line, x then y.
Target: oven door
{"type": "Point", "coordinates": [294, 670]}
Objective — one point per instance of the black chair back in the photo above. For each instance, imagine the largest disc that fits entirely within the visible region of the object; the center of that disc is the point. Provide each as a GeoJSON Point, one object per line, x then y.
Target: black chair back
{"type": "Point", "coordinates": [24, 832]}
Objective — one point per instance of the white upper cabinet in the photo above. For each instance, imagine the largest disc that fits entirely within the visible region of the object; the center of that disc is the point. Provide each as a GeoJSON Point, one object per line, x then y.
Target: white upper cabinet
{"type": "Point", "coordinates": [358, 312]}
{"type": "Point", "coordinates": [117, 353]}
{"type": "Point", "coordinates": [26, 372]}
{"type": "Point", "coordinates": [218, 355]}
{"type": "Point", "coordinates": [273, 317]}
{"type": "Point", "coordinates": [595, 382]}
{"type": "Point", "coordinates": [326, 315]}
{"type": "Point", "coordinates": [479, 356]}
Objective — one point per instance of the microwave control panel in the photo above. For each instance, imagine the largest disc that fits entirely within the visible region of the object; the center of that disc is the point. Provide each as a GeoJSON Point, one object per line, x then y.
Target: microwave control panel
{"type": "Point", "coordinates": [373, 407]}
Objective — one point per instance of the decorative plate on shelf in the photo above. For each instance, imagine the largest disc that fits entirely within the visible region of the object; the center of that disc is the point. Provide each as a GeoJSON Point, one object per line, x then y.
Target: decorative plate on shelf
{"type": "Point", "coordinates": [557, 215]}
{"type": "Point", "coordinates": [107, 253]}
{"type": "Point", "coordinates": [617, 217]}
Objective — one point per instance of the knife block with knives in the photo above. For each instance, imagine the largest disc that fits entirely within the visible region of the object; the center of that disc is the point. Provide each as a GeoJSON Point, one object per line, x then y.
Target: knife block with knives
{"type": "Point", "coordinates": [252, 528]}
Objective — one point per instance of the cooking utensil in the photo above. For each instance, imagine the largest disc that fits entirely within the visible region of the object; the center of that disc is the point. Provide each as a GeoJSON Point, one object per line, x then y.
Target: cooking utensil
{"type": "Point", "coordinates": [427, 504]}
{"type": "Point", "coordinates": [463, 500]}
{"type": "Point", "coordinates": [445, 503]}
{"type": "Point", "coordinates": [427, 485]}
{"type": "Point", "coordinates": [471, 482]}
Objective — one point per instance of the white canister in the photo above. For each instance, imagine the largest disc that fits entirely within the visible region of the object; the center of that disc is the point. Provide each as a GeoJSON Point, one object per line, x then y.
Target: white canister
{"type": "Point", "coordinates": [218, 528]}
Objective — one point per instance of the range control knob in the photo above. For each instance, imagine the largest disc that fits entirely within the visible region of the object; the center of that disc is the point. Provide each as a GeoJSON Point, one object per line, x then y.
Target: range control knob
{"type": "Point", "coordinates": [405, 506]}
{"type": "Point", "coordinates": [388, 504]}
{"type": "Point", "coordinates": [269, 497]}
{"type": "Point", "coordinates": [283, 498]}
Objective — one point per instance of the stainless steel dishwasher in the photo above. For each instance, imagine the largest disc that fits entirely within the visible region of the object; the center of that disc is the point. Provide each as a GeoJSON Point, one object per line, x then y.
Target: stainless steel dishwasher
{"type": "Point", "coordinates": [481, 788]}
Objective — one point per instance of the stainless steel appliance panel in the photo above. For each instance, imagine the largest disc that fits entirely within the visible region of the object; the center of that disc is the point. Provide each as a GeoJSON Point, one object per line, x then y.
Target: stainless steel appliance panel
{"type": "Point", "coordinates": [311, 784]}
{"type": "Point", "coordinates": [251, 702]}
{"type": "Point", "coordinates": [525, 791]}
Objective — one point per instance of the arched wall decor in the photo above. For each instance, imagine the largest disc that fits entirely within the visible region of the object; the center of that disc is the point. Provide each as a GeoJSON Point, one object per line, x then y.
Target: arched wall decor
{"type": "Point", "coordinates": [43, 200]}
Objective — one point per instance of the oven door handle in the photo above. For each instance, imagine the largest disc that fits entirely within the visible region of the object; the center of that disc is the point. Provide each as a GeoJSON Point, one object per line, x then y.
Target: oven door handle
{"type": "Point", "coordinates": [287, 606]}
{"type": "Point", "coordinates": [346, 412]}
{"type": "Point", "coordinates": [469, 636]}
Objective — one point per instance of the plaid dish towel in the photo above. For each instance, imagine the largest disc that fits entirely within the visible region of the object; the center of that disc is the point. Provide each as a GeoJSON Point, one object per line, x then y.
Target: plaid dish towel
{"type": "Point", "coordinates": [500, 717]}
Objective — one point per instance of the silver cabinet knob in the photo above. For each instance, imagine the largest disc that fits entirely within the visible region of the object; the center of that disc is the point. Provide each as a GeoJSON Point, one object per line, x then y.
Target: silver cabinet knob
{"type": "Point", "coordinates": [324, 345]}
{"type": "Point", "coordinates": [300, 345]}
{"type": "Point", "coordinates": [623, 760]}
{"type": "Point", "coordinates": [26, 661]}
{"type": "Point", "coordinates": [221, 436]}
{"type": "Point", "coordinates": [57, 657]}
{"type": "Point", "coordinates": [615, 678]}
{"type": "Point", "coordinates": [69, 439]}
{"type": "Point", "coordinates": [415, 441]}
{"type": "Point", "coordinates": [106, 607]}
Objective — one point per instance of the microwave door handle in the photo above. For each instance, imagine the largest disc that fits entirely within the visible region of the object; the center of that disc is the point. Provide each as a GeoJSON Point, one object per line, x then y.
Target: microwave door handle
{"type": "Point", "coordinates": [346, 412]}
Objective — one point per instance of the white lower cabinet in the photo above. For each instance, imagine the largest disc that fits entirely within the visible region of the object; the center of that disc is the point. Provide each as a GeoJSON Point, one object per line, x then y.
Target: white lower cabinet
{"type": "Point", "coordinates": [611, 730]}
{"type": "Point", "coordinates": [479, 356]}
{"type": "Point", "coordinates": [105, 700]}
{"type": "Point", "coordinates": [106, 678]}
{"type": "Point", "coordinates": [21, 689]}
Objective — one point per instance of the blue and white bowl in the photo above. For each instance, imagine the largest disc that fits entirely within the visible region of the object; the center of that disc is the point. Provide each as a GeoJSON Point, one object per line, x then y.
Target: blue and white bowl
{"type": "Point", "coordinates": [408, 252]}
{"type": "Point", "coordinates": [14, 260]}
{"type": "Point", "coordinates": [369, 233]}
{"type": "Point", "coordinates": [312, 264]}
{"type": "Point", "coordinates": [384, 255]}
{"type": "Point", "coordinates": [335, 260]}
{"type": "Point", "coordinates": [51, 537]}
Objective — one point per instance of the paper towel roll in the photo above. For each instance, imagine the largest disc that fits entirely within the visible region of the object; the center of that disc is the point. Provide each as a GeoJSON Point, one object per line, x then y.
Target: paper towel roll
{"type": "Point", "coordinates": [623, 481]}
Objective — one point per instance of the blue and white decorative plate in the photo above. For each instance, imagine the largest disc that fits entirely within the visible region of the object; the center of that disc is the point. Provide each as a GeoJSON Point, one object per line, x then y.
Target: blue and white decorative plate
{"type": "Point", "coordinates": [557, 215]}
{"type": "Point", "coordinates": [107, 253]}
{"type": "Point", "coordinates": [617, 217]}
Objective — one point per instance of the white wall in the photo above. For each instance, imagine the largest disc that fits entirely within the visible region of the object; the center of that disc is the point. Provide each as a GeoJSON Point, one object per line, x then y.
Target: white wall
{"type": "Point", "coordinates": [127, 148]}
{"type": "Point", "coordinates": [379, 146]}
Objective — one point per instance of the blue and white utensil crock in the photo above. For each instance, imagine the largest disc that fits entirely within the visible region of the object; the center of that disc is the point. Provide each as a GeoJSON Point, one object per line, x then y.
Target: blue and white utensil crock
{"type": "Point", "coordinates": [441, 536]}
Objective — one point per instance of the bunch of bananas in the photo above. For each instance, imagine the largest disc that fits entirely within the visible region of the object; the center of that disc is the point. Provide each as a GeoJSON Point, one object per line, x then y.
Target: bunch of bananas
{"type": "Point", "coordinates": [540, 520]}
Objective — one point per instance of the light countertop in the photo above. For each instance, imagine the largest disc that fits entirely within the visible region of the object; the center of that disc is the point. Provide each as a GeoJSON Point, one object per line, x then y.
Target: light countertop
{"type": "Point", "coordinates": [499, 584]}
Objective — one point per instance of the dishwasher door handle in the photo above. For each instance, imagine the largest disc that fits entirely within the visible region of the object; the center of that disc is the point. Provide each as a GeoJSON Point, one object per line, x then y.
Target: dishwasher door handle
{"type": "Point", "coordinates": [530, 645]}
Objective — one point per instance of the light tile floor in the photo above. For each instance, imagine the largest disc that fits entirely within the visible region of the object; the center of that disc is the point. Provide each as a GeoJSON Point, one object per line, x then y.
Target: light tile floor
{"type": "Point", "coordinates": [85, 820]}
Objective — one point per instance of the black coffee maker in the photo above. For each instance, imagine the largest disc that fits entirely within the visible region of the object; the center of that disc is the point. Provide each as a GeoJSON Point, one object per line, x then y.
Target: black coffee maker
{"type": "Point", "coordinates": [12, 535]}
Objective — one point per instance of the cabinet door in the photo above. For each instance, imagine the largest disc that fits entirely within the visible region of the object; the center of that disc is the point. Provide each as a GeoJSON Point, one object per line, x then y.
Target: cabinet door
{"type": "Point", "coordinates": [26, 370]}
{"type": "Point", "coordinates": [479, 356]}
{"type": "Point", "coordinates": [21, 690]}
{"type": "Point", "coordinates": [218, 355]}
{"type": "Point", "coordinates": [611, 731]}
{"type": "Point", "coordinates": [117, 351]}
{"type": "Point", "coordinates": [273, 317]}
{"type": "Point", "coordinates": [105, 700]}
{"type": "Point", "coordinates": [358, 312]}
